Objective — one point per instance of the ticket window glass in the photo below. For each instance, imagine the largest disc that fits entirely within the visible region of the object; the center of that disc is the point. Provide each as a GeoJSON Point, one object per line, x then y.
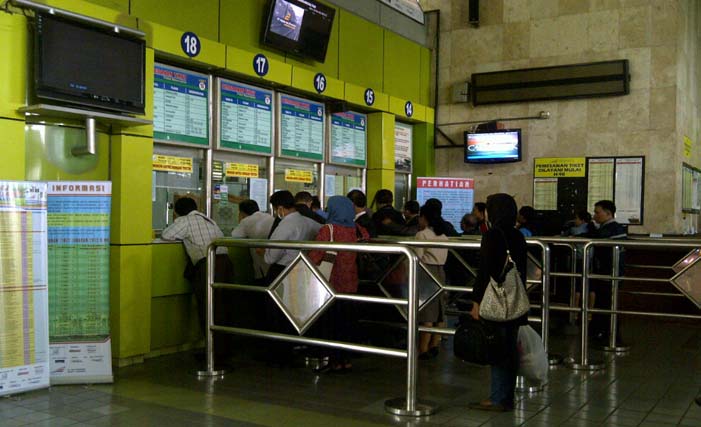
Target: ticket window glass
{"type": "Point", "coordinates": [235, 178]}
{"type": "Point", "coordinates": [296, 176]}
{"type": "Point", "coordinates": [177, 172]}
{"type": "Point", "coordinates": [340, 180]}
{"type": "Point", "coordinates": [401, 190]}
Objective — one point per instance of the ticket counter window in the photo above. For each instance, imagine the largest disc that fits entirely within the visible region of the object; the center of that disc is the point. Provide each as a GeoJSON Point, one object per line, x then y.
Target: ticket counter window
{"type": "Point", "coordinates": [296, 176]}
{"type": "Point", "coordinates": [177, 172]}
{"type": "Point", "coordinates": [401, 190]}
{"type": "Point", "coordinates": [235, 178]}
{"type": "Point", "coordinates": [340, 180]}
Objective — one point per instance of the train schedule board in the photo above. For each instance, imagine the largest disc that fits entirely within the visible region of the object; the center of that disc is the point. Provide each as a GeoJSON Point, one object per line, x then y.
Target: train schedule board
{"type": "Point", "coordinates": [456, 194]}
{"type": "Point", "coordinates": [349, 139]}
{"type": "Point", "coordinates": [245, 118]}
{"type": "Point", "coordinates": [180, 106]}
{"type": "Point", "coordinates": [301, 128]}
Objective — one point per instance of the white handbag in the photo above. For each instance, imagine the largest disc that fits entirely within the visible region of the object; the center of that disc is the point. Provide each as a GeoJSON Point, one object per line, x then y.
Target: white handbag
{"type": "Point", "coordinates": [506, 300]}
{"type": "Point", "coordinates": [329, 259]}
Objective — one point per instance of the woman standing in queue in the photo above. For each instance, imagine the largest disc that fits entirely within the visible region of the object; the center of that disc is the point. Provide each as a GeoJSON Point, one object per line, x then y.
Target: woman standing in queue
{"type": "Point", "coordinates": [340, 227]}
{"type": "Point", "coordinates": [502, 235]}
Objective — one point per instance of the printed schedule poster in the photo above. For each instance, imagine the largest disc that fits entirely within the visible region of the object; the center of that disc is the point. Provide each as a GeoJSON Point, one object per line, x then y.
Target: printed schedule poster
{"type": "Point", "coordinates": [180, 106]}
{"type": "Point", "coordinates": [457, 195]}
{"type": "Point", "coordinates": [348, 138]}
{"type": "Point", "coordinates": [301, 128]}
{"type": "Point", "coordinates": [246, 117]}
{"type": "Point", "coordinates": [24, 279]}
{"type": "Point", "coordinates": [79, 287]}
{"type": "Point", "coordinates": [403, 137]}
{"type": "Point", "coordinates": [629, 190]}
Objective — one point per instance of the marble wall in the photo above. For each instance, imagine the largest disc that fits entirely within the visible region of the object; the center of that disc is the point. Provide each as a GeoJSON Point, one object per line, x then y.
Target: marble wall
{"type": "Point", "coordinates": [658, 37]}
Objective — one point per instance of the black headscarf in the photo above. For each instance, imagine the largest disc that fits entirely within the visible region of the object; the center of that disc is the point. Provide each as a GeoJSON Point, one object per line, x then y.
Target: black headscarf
{"type": "Point", "coordinates": [501, 211]}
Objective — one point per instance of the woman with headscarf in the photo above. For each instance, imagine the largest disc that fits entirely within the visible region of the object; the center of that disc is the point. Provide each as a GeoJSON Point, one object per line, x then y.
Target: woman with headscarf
{"type": "Point", "coordinates": [502, 235]}
{"type": "Point", "coordinates": [344, 274]}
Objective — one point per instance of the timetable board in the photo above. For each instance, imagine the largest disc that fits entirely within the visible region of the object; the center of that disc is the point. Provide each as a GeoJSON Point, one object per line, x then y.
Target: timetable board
{"type": "Point", "coordinates": [245, 118]}
{"type": "Point", "coordinates": [180, 106]}
{"type": "Point", "coordinates": [348, 138]}
{"type": "Point", "coordinates": [301, 128]}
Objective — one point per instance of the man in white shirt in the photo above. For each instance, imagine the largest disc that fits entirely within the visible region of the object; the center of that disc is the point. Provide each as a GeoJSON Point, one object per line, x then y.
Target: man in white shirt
{"type": "Point", "coordinates": [197, 231]}
{"type": "Point", "coordinates": [254, 224]}
{"type": "Point", "coordinates": [293, 226]}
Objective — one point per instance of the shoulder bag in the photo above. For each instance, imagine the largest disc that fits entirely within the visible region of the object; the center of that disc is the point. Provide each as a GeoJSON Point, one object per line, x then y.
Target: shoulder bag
{"type": "Point", "coordinates": [329, 258]}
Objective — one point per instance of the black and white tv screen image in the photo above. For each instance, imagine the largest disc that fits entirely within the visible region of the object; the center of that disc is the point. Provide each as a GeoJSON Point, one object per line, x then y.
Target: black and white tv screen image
{"type": "Point", "coordinates": [287, 20]}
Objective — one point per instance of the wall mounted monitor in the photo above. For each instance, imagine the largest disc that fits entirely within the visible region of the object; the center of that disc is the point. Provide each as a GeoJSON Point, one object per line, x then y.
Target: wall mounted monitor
{"type": "Point", "coordinates": [81, 64]}
{"type": "Point", "coordinates": [502, 146]}
{"type": "Point", "coordinates": [299, 27]}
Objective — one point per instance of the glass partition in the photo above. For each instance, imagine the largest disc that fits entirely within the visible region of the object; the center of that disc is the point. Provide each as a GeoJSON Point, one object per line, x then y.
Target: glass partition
{"type": "Point", "coordinates": [296, 176]}
{"type": "Point", "coordinates": [401, 190]}
{"type": "Point", "coordinates": [237, 177]}
{"type": "Point", "coordinates": [340, 180]}
{"type": "Point", "coordinates": [177, 172]}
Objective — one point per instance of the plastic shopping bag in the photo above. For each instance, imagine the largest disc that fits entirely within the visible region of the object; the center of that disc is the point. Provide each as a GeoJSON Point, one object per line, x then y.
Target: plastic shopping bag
{"type": "Point", "coordinates": [534, 361]}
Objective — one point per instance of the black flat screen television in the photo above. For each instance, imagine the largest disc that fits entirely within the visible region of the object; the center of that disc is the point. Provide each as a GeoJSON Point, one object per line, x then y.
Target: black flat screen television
{"type": "Point", "coordinates": [502, 146]}
{"type": "Point", "coordinates": [81, 64]}
{"type": "Point", "coordinates": [299, 27]}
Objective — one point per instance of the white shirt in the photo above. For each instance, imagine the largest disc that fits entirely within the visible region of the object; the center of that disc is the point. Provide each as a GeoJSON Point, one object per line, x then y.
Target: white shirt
{"type": "Point", "coordinates": [256, 226]}
{"type": "Point", "coordinates": [196, 231]}
{"type": "Point", "coordinates": [431, 256]}
{"type": "Point", "coordinates": [293, 226]}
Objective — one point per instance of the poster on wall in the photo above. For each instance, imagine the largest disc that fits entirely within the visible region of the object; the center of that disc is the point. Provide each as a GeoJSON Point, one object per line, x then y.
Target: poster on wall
{"type": "Point", "coordinates": [180, 106]}
{"type": "Point", "coordinates": [629, 190]}
{"type": "Point", "coordinates": [24, 279]}
{"type": "Point", "coordinates": [301, 128]}
{"type": "Point", "coordinates": [79, 287]}
{"type": "Point", "coordinates": [348, 138]}
{"type": "Point", "coordinates": [600, 181]}
{"type": "Point", "coordinates": [258, 191]}
{"type": "Point", "coordinates": [457, 195]}
{"type": "Point", "coordinates": [245, 117]}
{"type": "Point", "coordinates": [403, 137]}
{"type": "Point", "coordinates": [545, 194]}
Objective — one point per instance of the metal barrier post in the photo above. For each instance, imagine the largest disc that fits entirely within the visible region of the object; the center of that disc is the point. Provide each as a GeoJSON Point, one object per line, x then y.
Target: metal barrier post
{"type": "Point", "coordinates": [613, 337]}
{"type": "Point", "coordinates": [409, 406]}
{"type": "Point", "coordinates": [573, 281]}
{"type": "Point", "coordinates": [584, 363]}
{"type": "Point", "coordinates": [209, 371]}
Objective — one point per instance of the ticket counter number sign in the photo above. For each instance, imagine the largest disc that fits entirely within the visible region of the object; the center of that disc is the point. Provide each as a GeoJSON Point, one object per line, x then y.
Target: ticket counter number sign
{"type": "Point", "coordinates": [163, 163]}
{"type": "Point", "coordinates": [560, 167]}
{"type": "Point", "coordinates": [241, 170]}
{"type": "Point", "coordinates": [296, 175]}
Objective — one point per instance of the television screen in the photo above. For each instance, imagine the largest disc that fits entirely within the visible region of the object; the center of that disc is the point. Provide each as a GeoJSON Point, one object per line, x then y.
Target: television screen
{"type": "Point", "coordinates": [300, 27]}
{"type": "Point", "coordinates": [81, 64]}
{"type": "Point", "coordinates": [502, 146]}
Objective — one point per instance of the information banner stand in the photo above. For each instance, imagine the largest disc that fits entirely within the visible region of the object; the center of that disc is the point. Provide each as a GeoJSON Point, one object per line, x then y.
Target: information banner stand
{"type": "Point", "coordinates": [79, 305]}
{"type": "Point", "coordinates": [456, 194]}
{"type": "Point", "coordinates": [24, 313]}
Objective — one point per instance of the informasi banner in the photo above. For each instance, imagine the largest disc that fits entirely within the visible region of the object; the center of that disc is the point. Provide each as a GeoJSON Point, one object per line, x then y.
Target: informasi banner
{"type": "Point", "coordinates": [24, 335]}
{"type": "Point", "coordinates": [79, 267]}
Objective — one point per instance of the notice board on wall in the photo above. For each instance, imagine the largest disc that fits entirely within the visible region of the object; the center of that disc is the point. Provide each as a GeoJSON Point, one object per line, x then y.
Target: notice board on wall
{"type": "Point", "coordinates": [565, 184]}
{"type": "Point", "coordinates": [691, 187]}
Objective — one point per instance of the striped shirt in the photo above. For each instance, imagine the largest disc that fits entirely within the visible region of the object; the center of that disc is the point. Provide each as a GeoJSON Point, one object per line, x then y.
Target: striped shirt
{"type": "Point", "coordinates": [196, 231]}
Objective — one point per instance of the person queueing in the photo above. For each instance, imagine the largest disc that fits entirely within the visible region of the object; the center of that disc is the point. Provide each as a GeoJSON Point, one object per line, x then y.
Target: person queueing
{"type": "Point", "coordinates": [432, 228]}
{"type": "Point", "coordinates": [340, 227]}
{"type": "Point", "coordinates": [254, 224]}
{"type": "Point", "coordinates": [502, 235]}
{"type": "Point", "coordinates": [387, 219]}
{"type": "Point", "coordinates": [479, 211]}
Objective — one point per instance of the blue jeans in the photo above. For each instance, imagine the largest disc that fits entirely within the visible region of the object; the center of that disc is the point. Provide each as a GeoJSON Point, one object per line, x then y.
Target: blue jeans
{"type": "Point", "coordinates": [503, 372]}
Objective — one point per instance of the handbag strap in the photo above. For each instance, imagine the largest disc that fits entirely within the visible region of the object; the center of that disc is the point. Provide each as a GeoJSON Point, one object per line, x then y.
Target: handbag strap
{"type": "Point", "coordinates": [508, 255]}
{"type": "Point", "coordinates": [334, 253]}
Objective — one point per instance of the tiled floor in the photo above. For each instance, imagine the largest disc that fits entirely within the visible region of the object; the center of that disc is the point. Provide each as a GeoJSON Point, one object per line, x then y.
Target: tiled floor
{"type": "Point", "coordinates": [652, 386]}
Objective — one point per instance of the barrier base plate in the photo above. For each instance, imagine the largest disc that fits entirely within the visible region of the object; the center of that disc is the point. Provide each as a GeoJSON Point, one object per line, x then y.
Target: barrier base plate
{"type": "Point", "coordinates": [554, 359]}
{"type": "Point", "coordinates": [522, 386]}
{"type": "Point", "coordinates": [591, 366]}
{"type": "Point", "coordinates": [621, 349]}
{"type": "Point", "coordinates": [204, 373]}
{"type": "Point", "coordinates": [423, 408]}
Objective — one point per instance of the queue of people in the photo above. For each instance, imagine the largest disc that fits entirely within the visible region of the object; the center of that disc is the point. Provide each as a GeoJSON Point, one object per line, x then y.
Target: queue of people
{"type": "Point", "coordinates": [348, 219]}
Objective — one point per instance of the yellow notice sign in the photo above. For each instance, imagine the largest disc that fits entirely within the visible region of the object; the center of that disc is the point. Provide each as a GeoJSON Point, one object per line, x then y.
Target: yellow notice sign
{"type": "Point", "coordinates": [296, 175]}
{"type": "Point", "coordinates": [243, 170]}
{"type": "Point", "coordinates": [172, 164]}
{"type": "Point", "coordinates": [688, 146]}
{"type": "Point", "coordinates": [560, 167]}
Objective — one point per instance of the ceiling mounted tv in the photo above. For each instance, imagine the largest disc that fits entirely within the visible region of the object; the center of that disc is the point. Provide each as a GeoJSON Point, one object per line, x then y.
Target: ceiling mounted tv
{"type": "Point", "coordinates": [299, 27]}
{"type": "Point", "coordinates": [502, 146]}
{"type": "Point", "coordinates": [81, 64]}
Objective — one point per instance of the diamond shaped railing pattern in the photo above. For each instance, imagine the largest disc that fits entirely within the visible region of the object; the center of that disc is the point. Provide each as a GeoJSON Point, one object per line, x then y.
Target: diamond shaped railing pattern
{"type": "Point", "coordinates": [688, 277]}
{"type": "Point", "coordinates": [395, 285]}
{"type": "Point", "coordinates": [302, 293]}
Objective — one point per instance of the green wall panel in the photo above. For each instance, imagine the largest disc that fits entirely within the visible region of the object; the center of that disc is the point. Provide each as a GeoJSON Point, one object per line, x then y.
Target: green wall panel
{"type": "Point", "coordinates": [173, 321]}
{"type": "Point", "coordinates": [96, 9]}
{"type": "Point", "coordinates": [201, 17]}
{"type": "Point", "coordinates": [360, 51]}
{"type": "Point", "coordinates": [120, 5]}
{"type": "Point", "coordinates": [402, 67]}
{"type": "Point", "coordinates": [169, 261]}
{"type": "Point", "coordinates": [13, 149]}
{"type": "Point", "coordinates": [13, 64]}
{"type": "Point", "coordinates": [241, 22]}
{"type": "Point", "coordinates": [49, 158]}
{"type": "Point", "coordinates": [424, 155]}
